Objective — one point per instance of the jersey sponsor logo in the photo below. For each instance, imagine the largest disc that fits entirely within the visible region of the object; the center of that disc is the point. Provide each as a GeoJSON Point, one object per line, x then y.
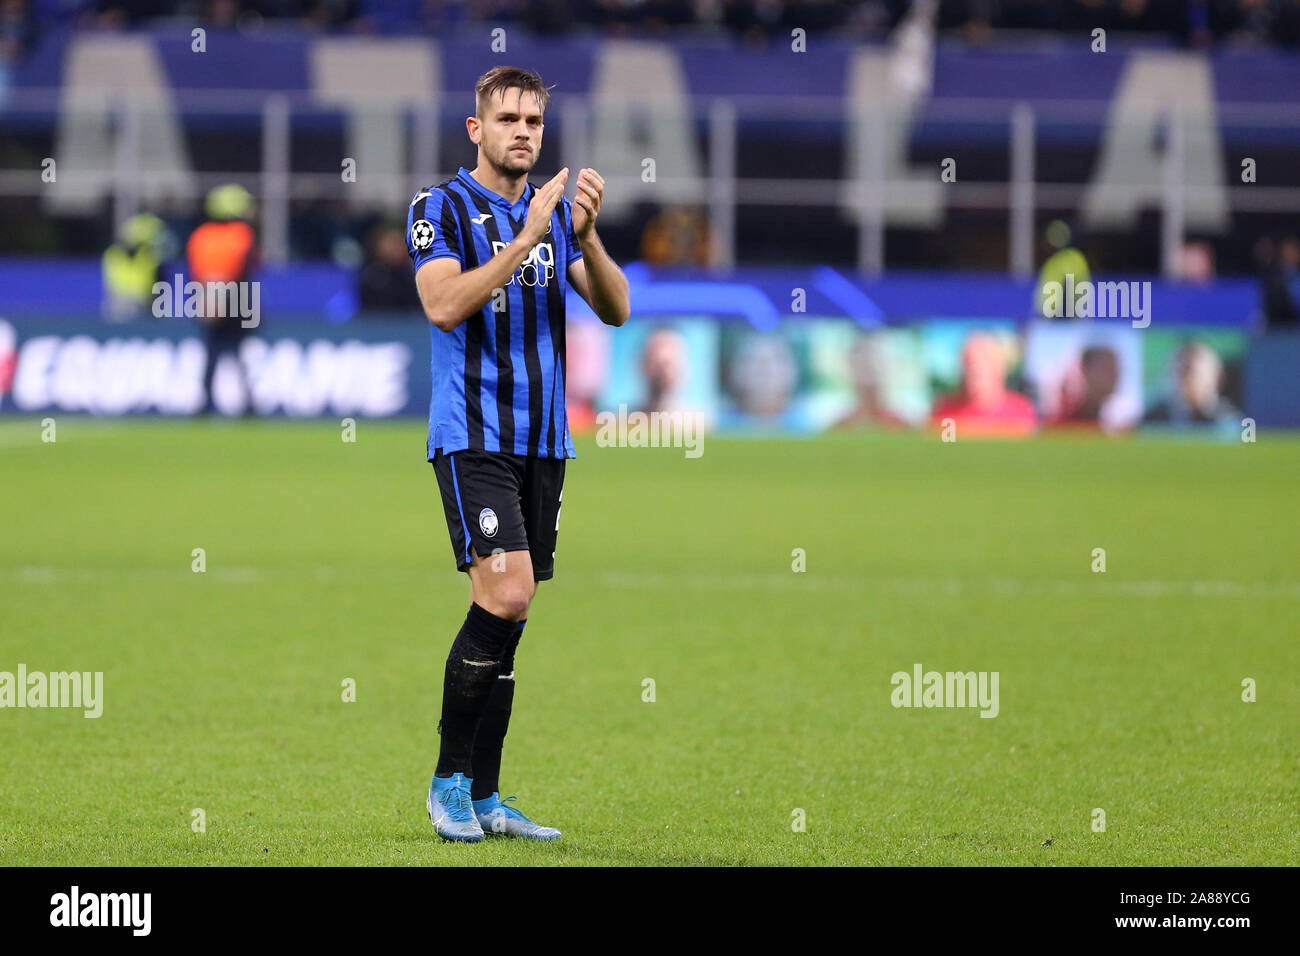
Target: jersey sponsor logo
{"type": "Point", "coordinates": [482, 219]}
{"type": "Point", "coordinates": [487, 522]}
{"type": "Point", "coordinates": [422, 234]}
{"type": "Point", "coordinates": [537, 270]}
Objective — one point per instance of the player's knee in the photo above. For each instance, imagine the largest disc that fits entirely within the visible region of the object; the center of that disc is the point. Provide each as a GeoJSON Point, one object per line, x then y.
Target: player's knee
{"type": "Point", "coordinates": [512, 602]}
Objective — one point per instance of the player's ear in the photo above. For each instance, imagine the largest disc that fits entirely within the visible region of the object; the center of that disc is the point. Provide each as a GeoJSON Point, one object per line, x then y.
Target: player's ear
{"type": "Point", "coordinates": [473, 127]}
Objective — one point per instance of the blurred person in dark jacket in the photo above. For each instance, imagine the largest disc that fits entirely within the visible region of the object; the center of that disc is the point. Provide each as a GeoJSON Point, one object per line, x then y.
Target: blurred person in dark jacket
{"type": "Point", "coordinates": [1196, 395]}
{"type": "Point", "coordinates": [1277, 265]}
{"type": "Point", "coordinates": [385, 278]}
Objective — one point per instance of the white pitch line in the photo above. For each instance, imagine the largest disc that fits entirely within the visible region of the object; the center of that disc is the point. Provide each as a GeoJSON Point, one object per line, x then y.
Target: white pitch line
{"type": "Point", "coordinates": [40, 575]}
{"type": "Point", "coordinates": [954, 586]}
{"type": "Point", "coordinates": [21, 434]}
{"type": "Point", "coordinates": [659, 581]}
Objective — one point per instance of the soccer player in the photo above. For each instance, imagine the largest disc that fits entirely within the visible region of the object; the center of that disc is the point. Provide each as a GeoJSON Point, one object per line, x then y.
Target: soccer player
{"type": "Point", "coordinates": [494, 256]}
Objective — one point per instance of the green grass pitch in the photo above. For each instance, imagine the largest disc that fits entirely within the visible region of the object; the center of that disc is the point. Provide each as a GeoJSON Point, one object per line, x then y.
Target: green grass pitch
{"type": "Point", "coordinates": [325, 560]}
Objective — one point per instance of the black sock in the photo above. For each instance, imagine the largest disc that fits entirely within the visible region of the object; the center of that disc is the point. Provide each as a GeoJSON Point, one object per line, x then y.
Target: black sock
{"type": "Point", "coordinates": [494, 724]}
{"type": "Point", "coordinates": [467, 681]}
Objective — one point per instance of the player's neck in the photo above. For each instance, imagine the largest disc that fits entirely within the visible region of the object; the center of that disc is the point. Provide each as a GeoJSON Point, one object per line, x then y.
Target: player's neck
{"type": "Point", "coordinates": [488, 176]}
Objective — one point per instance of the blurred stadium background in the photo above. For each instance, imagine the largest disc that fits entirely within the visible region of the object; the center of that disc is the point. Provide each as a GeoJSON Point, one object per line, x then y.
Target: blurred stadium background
{"type": "Point", "coordinates": [820, 203]}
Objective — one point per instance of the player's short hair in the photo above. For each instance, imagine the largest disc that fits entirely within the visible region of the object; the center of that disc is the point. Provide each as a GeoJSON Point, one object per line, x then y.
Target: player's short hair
{"type": "Point", "coordinates": [501, 78]}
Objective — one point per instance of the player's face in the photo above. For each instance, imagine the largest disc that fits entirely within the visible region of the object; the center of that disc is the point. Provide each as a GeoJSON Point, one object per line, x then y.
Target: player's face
{"type": "Point", "coordinates": [512, 132]}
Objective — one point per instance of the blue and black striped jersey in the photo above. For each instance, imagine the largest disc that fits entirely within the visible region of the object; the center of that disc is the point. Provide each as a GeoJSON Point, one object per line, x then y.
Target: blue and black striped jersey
{"type": "Point", "coordinates": [498, 377]}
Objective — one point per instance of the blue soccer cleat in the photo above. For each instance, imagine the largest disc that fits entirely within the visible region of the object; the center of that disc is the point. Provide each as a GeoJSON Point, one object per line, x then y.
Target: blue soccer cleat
{"type": "Point", "coordinates": [451, 811]}
{"type": "Point", "coordinates": [495, 817]}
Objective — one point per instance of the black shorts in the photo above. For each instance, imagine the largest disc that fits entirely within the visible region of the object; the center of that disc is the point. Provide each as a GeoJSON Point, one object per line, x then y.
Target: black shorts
{"type": "Point", "coordinates": [496, 502]}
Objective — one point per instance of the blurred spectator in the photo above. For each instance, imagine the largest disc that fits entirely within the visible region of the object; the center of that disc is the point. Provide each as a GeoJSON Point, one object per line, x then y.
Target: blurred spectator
{"type": "Point", "coordinates": [588, 347]}
{"type": "Point", "coordinates": [763, 375]}
{"type": "Point", "coordinates": [1196, 264]}
{"type": "Point", "coordinates": [389, 16]}
{"type": "Point", "coordinates": [867, 372]}
{"type": "Point", "coordinates": [985, 406]}
{"type": "Point", "coordinates": [8, 357]}
{"type": "Point", "coordinates": [222, 14]}
{"type": "Point", "coordinates": [18, 35]}
{"type": "Point", "coordinates": [1084, 395]}
{"type": "Point", "coordinates": [325, 14]}
{"type": "Point", "coordinates": [677, 236]}
{"type": "Point", "coordinates": [122, 13]}
{"type": "Point", "coordinates": [1064, 260]}
{"type": "Point", "coordinates": [1197, 394]}
{"type": "Point", "coordinates": [664, 364]}
{"type": "Point", "coordinates": [386, 284]}
{"type": "Point", "coordinates": [132, 265]}
{"type": "Point", "coordinates": [224, 249]}
{"type": "Point", "coordinates": [1277, 265]}
{"type": "Point", "coordinates": [1196, 23]}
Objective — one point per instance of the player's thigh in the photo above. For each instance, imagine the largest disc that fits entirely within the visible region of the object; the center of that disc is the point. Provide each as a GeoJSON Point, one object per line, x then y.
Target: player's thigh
{"type": "Point", "coordinates": [543, 498]}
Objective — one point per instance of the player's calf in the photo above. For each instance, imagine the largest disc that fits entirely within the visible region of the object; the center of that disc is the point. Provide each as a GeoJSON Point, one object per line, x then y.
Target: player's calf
{"type": "Point", "coordinates": [470, 672]}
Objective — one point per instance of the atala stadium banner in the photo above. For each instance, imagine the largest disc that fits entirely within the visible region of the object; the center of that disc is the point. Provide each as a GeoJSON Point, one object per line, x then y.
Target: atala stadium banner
{"type": "Point", "coordinates": [993, 377]}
